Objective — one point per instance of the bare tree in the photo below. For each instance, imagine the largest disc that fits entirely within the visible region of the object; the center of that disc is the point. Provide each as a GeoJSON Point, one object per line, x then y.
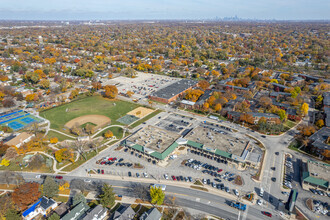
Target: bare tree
{"type": "Point", "coordinates": [80, 147]}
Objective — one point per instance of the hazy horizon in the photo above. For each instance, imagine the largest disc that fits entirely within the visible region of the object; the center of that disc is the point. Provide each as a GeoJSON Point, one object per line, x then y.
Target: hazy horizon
{"type": "Point", "coordinates": [164, 10]}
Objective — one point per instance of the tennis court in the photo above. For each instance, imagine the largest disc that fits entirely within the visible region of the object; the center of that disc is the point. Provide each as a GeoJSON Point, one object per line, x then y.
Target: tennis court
{"type": "Point", "coordinates": [17, 120]}
{"type": "Point", "coordinates": [15, 125]}
{"type": "Point", "coordinates": [28, 120]}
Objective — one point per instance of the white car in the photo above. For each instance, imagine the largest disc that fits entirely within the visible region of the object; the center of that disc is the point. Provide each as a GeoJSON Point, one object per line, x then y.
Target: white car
{"type": "Point", "coordinates": [166, 176]}
{"type": "Point", "coordinates": [87, 180]}
{"type": "Point", "coordinates": [145, 175]}
{"type": "Point", "coordinates": [38, 176]}
{"type": "Point", "coordinates": [259, 202]}
{"type": "Point", "coordinates": [236, 192]}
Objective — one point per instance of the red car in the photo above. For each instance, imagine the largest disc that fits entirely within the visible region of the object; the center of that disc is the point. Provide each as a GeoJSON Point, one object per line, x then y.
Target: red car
{"type": "Point", "coordinates": [219, 170]}
{"type": "Point", "coordinates": [110, 159]}
{"type": "Point", "coordinates": [102, 171]}
{"type": "Point", "coordinates": [59, 177]}
{"type": "Point", "coordinates": [267, 214]}
{"type": "Point", "coordinates": [173, 177]}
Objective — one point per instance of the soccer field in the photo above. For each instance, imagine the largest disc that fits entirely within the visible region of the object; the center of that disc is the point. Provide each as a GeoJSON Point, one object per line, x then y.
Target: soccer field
{"type": "Point", "coordinates": [95, 105]}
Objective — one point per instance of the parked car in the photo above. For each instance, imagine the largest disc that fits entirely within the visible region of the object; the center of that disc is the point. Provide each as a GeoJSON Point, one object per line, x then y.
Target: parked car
{"type": "Point", "coordinates": [259, 202]}
{"type": "Point", "coordinates": [137, 175]}
{"type": "Point", "coordinates": [173, 178]}
{"type": "Point", "coordinates": [87, 180]}
{"type": "Point", "coordinates": [129, 174]}
{"type": "Point", "coordinates": [59, 177]}
{"type": "Point", "coordinates": [102, 171]}
{"type": "Point", "coordinates": [267, 213]}
{"type": "Point", "coordinates": [166, 176]}
{"type": "Point", "coordinates": [145, 175]}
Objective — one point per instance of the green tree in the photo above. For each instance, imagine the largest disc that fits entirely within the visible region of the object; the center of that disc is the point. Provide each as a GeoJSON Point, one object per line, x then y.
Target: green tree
{"type": "Point", "coordinates": [157, 195]}
{"type": "Point", "coordinates": [107, 197]}
{"type": "Point", "coordinates": [54, 216]}
{"type": "Point", "coordinates": [282, 114]}
{"type": "Point", "coordinates": [78, 198]}
{"type": "Point", "coordinates": [50, 187]}
{"type": "Point", "coordinates": [12, 214]}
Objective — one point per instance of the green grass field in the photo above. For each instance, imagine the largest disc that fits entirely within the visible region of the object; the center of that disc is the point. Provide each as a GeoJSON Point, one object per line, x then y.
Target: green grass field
{"type": "Point", "coordinates": [117, 131]}
{"type": "Point", "coordinates": [95, 105]}
{"type": "Point", "coordinates": [60, 137]}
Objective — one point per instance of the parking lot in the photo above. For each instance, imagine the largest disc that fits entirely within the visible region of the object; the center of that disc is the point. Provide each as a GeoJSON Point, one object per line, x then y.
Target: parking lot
{"type": "Point", "coordinates": [142, 85]}
{"type": "Point", "coordinates": [208, 167]}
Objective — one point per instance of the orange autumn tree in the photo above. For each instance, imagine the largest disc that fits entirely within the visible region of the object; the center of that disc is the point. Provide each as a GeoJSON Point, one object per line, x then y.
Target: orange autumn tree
{"type": "Point", "coordinates": [26, 194]}
{"type": "Point", "coordinates": [111, 91]}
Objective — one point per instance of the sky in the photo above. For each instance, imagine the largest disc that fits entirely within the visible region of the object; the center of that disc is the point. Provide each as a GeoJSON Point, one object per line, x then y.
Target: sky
{"type": "Point", "coordinates": [163, 9]}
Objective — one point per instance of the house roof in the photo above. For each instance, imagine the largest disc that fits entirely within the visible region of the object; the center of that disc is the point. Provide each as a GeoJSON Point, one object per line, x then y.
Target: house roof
{"type": "Point", "coordinates": [76, 212]}
{"type": "Point", "coordinates": [46, 203]}
{"type": "Point", "coordinates": [326, 98]}
{"type": "Point", "coordinates": [19, 139]}
{"type": "Point", "coordinates": [31, 209]}
{"type": "Point", "coordinates": [151, 214]}
{"type": "Point", "coordinates": [96, 213]}
{"type": "Point", "coordinates": [124, 213]}
{"type": "Point", "coordinates": [320, 137]}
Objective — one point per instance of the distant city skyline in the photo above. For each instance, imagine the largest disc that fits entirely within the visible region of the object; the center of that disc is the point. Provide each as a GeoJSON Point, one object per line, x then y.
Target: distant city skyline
{"type": "Point", "coordinates": [163, 9]}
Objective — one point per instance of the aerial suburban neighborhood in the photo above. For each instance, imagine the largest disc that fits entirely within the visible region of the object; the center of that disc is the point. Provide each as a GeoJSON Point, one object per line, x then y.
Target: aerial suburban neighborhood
{"type": "Point", "coordinates": [164, 119]}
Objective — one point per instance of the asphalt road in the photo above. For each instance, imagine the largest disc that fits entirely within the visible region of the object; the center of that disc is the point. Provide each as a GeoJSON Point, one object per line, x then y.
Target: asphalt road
{"type": "Point", "coordinates": [190, 198]}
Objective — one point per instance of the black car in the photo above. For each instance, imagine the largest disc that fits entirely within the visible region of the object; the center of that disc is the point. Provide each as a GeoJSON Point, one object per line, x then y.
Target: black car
{"type": "Point", "coordinates": [277, 153]}
{"type": "Point", "coordinates": [181, 178]}
{"type": "Point", "coordinates": [273, 168]}
{"type": "Point", "coordinates": [271, 199]}
{"type": "Point", "coordinates": [218, 180]}
{"type": "Point", "coordinates": [208, 181]}
{"type": "Point", "coordinates": [129, 174]}
{"type": "Point", "coordinates": [120, 160]}
{"type": "Point", "coordinates": [125, 150]}
{"type": "Point", "coordinates": [274, 179]}
{"type": "Point", "coordinates": [98, 171]}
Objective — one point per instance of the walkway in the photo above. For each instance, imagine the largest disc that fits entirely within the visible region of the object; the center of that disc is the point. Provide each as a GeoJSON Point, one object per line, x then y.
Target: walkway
{"type": "Point", "coordinates": [63, 133]}
{"type": "Point", "coordinates": [120, 126]}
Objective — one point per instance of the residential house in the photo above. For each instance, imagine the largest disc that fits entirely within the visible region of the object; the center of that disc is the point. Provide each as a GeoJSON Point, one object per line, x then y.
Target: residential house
{"type": "Point", "coordinates": [271, 118]}
{"type": "Point", "coordinates": [279, 95]}
{"type": "Point", "coordinates": [326, 99]}
{"type": "Point", "coordinates": [123, 213]}
{"type": "Point", "coordinates": [292, 114]}
{"type": "Point", "coordinates": [97, 213]}
{"type": "Point", "coordinates": [151, 214]}
{"type": "Point", "coordinates": [279, 87]}
{"type": "Point", "coordinates": [320, 143]}
{"type": "Point", "coordinates": [42, 207]}
{"type": "Point", "coordinates": [77, 212]}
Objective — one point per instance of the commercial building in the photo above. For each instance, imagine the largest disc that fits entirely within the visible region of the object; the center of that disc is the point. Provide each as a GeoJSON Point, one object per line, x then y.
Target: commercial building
{"type": "Point", "coordinates": [315, 175]}
{"type": "Point", "coordinates": [158, 145]}
{"type": "Point", "coordinates": [172, 92]}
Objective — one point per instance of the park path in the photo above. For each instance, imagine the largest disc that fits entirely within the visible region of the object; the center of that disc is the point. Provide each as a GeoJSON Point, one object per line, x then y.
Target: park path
{"type": "Point", "coordinates": [50, 129]}
{"type": "Point", "coordinates": [120, 126]}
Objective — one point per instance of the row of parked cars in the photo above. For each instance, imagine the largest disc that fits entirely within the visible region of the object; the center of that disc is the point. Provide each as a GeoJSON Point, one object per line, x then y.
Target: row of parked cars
{"type": "Point", "coordinates": [208, 156]}
{"type": "Point", "coordinates": [113, 160]}
{"type": "Point", "coordinates": [319, 192]}
{"type": "Point", "coordinates": [209, 169]}
{"type": "Point", "coordinates": [288, 175]}
{"type": "Point", "coordinates": [321, 207]}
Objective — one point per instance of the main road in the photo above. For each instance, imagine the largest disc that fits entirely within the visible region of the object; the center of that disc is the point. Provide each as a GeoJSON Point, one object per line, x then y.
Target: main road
{"type": "Point", "coordinates": [185, 197]}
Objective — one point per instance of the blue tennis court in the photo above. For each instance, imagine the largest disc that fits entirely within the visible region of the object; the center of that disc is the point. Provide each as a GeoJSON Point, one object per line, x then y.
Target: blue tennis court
{"type": "Point", "coordinates": [28, 120]}
{"type": "Point", "coordinates": [15, 125]}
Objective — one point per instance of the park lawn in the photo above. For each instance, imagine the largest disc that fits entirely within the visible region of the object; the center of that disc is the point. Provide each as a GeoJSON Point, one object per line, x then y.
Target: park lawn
{"type": "Point", "coordinates": [117, 131]}
{"type": "Point", "coordinates": [14, 166]}
{"type": "Point", "coordinates": [289, 124]}
{"type": "Point", "coordinates": [80, 161]}
{"type": "Point", "coordinates": [146, 118]}
{"type": "Point", "coordinates": [94, 105]}
{"type": "Point", "coordinates": [59, 136]}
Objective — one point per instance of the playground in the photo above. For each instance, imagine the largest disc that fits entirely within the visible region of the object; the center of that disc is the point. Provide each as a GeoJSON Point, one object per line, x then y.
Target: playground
{"type": "Point", "coordinates": [18, 119]}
